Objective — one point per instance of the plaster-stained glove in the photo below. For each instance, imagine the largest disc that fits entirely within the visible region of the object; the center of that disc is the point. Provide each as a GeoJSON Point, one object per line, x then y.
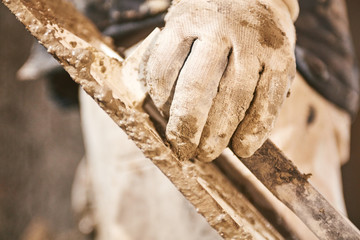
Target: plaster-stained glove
{"type": "Point", "coordinates": [221, 69]}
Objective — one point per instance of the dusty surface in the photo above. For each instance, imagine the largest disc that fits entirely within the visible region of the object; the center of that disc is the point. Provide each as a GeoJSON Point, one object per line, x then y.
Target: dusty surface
{"type": "Point", "coordinates": [238, 219]}
{"type": "Point", "coordinates": [275, 169]}
{"type": "Point", "coordinates": [30, 135]}
{"type": "Point", "coordinates": [285, 181]}
{"type": "Point", "coordinates": [73, 23]}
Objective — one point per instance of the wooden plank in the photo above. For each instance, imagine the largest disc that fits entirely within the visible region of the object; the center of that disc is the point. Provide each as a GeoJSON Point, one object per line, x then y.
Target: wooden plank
{"type": "Point", "coordinates": [88, 57]}
{"type": "Point", "coordinates": [292, 188]}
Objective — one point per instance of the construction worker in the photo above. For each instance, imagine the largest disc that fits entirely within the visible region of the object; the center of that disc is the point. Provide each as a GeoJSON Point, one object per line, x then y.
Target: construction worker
{"type": "Point", "coordinates": [221, 72]}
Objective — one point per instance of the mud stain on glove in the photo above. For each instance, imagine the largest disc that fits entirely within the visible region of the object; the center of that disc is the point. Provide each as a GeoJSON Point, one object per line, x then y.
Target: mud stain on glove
{"type": "Point", "coordinates": [183, 141]}
{"type": "Point", "coordinates": [270, 35]}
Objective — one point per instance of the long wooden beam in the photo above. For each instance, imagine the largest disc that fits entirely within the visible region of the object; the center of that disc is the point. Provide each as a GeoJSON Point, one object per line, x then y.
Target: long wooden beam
{"type": "Point", "coordinates": [89, 59]}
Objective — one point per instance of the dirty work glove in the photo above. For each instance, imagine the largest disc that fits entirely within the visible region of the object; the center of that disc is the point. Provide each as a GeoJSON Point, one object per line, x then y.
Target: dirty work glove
{"type": "Point", "coordinates": [220, 70]}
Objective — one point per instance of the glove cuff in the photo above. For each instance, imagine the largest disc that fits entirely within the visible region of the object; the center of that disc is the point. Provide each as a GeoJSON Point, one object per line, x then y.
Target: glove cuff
{"type": "Point", "coordinates": [293, 7]}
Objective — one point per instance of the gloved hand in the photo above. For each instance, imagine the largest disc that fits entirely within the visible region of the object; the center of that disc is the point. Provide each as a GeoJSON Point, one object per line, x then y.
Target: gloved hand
{"type": "Point", "coordinates": [221, 69]}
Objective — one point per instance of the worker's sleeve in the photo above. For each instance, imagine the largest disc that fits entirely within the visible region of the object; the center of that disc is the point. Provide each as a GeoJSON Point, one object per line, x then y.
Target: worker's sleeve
{"type": "Point", "coordinates": [325, 54]}
{"type": "Point", "coordinates": [293, 6]}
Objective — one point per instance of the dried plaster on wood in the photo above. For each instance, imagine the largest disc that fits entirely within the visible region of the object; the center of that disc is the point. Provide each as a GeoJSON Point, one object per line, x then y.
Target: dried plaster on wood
{"type": "Point", "coordinates": [215, 198]}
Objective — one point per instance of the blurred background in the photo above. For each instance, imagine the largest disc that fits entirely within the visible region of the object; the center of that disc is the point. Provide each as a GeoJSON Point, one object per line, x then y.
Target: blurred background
{"type": "Point", "coordinates": [351, 170]}
{"type": "Point", "coordinates": [41, 145]}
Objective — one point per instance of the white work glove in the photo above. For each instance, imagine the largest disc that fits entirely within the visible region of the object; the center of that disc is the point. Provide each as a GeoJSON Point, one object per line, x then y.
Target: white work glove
{"type": "Point", "coordinates": [221, 69]}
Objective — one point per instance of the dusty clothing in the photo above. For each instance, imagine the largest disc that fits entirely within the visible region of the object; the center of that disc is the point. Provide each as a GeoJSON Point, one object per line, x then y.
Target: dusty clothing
{"type": "Point", "coordinates": [125, 20]}
{"type": "Point", "coordinates": [325, 54]}
{"type": "Point", "coordinates": [131, 199]}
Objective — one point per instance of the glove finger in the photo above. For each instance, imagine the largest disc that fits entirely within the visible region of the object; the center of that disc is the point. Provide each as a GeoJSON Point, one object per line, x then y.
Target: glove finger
{"type": "Point", "coordinates": [163, 66]}
{"type": "Point", "coordinates": [255, 128]}
{"type": "Point", "coordinates": [195, 90]}
{"type": "Point", "coordinates": [235, 94]}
